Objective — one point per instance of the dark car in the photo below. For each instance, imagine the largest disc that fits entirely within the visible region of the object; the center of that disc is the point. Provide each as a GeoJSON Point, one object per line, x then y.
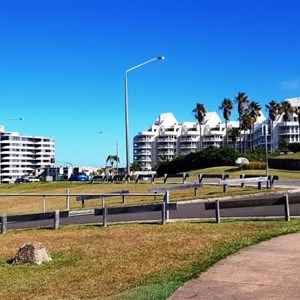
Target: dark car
{"type": "Point", "coordinates": [21, 180]}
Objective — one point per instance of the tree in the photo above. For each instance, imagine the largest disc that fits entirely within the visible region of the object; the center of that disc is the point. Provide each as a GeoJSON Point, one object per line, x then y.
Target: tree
{"type": "Point", "coordinates": [112, 159]}
{"type": "Point", "coordinates": [136, 166]}
{"type": "Point", "coordinates": [273, 108]}
{"type": "Point", "coordinates": [246, 123]}
{"type": "Point", "coordinates": [234, 133]}
{"type": "Point", "coordinates": [287, 109]}
{"type": "Point", "coordinates": [254, 111]}
{"type": "Point", "coordinates": [242, 100]}
{"type": "Point", "coordinates": [200, 113]}
{"type": "Point", "coordinates": [226, 106]}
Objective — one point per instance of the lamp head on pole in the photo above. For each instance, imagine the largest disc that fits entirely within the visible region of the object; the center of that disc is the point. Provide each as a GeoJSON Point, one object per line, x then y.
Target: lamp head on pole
{"type": "Point", "coordinates": [161, 58]}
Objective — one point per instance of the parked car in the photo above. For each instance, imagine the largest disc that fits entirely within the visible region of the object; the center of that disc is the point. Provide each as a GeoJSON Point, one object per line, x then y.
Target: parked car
{"type": "Point", "coordinates": [81, 176]}
{"type": "Point", "coordinates": [25, 179]}
{"type": "Point", "coordinates": [21, 180]}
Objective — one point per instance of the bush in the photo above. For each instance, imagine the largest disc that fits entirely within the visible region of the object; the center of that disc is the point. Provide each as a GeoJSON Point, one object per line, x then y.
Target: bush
{"type": "Point", "coordinates": [254, 165]}
{"type": "Point", "coordinates": [294, 147]}
{"type": "Point", "coordinates": [208, 157]}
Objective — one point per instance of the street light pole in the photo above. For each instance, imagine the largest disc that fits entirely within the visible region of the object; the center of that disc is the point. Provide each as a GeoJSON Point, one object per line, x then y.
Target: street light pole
{"type": "Point", "coordinates": [126, 107]}
{"type": "Point", "coordinates": [265, 132]}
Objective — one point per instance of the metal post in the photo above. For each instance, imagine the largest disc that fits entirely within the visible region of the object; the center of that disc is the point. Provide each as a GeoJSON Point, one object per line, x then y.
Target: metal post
{"type": "Point", "coordinates": [163, 213]}
{"type": "Point", "coordinates": [266, 147]}
{"type": "Point", "coordinates": [167, 200]}
{"type": "Point", "coordinates": [127, 125]}
{"type": "Point", "coordinates": [104, 216]}
{"type": "Point", "coordinates": [68, 199]}
{"type": "Point", "coordinates": [44, 203]}
{"type": "Point", "coordinates": [217, 208]}
{"type": "Point", "coordinates": [56, 219]}
{"type": "Point", "coordinates": [126, 107]}
{"type": "Point", "coordinates": [286, 207]}
{"type": "Point", "coordinates": [3, 223]}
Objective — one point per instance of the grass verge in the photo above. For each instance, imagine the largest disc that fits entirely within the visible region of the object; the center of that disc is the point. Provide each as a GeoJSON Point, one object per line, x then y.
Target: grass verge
{"type": "Point", "coordinates": [134, 261]}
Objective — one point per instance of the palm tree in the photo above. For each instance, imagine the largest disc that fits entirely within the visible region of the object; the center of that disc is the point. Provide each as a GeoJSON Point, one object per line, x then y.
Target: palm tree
{"type": "Point", "coordinates": [246, 124]}
{"type": "Point", "coordinates": [273, 109]}
{"type": "Point", "coordinates": [200, 113]}
{"type": "Point", "coordinates": [234, 132]}
{"type": "Point", "coordinates": [242, 100]}
{"type": "Point", "coordinates": [226, 106]}
{"type": "Point", "coordinates": [254, 111]}
{"type": "Point", "coordinates": [112, 159]}
{"type": "Point", "coordinates": [297, 112]}
{"type": "Point", "coordinates": [287, 109]}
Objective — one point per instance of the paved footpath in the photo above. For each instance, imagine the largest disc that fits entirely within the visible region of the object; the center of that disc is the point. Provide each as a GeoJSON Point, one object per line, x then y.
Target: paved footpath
{"type": "Point", "coordinates": [269, 270]}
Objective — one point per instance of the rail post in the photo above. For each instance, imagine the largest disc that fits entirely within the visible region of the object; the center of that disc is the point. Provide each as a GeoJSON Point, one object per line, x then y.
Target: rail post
{"type": "Point", "coordinates": [68, 199]}
{"type": "Point", "coordinates": [167, 200]}
{"type": "Point", "coordinates": [163, 213]}
{"type": "Point", "coordinates": [104, 216]}
{"type": "Point", "coordinates": [217, 208]}
{"type": "Point", "coordinates": [56, 219]}
{"type": "Point", "coordinates": [44, 203]}
{"type": "Point", "coordinates": [286, 207]}
{"type": "Point", "coordinates": [3, 223]}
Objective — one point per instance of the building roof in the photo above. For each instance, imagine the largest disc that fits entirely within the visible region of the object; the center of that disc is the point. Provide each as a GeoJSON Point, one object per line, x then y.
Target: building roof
{"type": "Point", "coordinates": [295, 102]}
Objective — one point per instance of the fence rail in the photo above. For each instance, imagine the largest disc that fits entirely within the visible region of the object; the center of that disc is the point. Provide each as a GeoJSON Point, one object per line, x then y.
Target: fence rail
{"type": "Point", "coordinates": [68, 195]}
{"type": "Point", "coordinates": [164, 207]}
{"type": "Point", "coordinates": [284, 199]}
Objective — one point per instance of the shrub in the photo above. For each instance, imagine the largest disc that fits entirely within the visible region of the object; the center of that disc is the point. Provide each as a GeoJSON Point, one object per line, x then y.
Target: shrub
{"type": "Point", "coordinates": [294, 147]}
{"type": "Point", "coordinates": [208, 157]}
{"type": "Point", "coordinates": [254, 165]}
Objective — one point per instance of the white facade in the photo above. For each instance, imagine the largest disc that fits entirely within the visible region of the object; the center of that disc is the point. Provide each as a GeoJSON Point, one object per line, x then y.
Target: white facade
{"type": "Point", "coordinates": [279, 130]}
{"type": "Point", "coordinates": [167, 138]}
{"type": "Point", "coordinates": [22, 155]}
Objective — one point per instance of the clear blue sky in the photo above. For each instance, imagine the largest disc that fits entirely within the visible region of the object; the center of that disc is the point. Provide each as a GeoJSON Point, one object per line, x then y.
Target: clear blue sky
{"type": "Point", "coordinates": [63, 64]}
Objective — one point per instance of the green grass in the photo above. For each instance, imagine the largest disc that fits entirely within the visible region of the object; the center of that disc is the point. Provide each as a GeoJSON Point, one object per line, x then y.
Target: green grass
{"type": "Point", "coordinates": [126, 261]}
{"type": "Point", "coordinates": [235, 172]}
{"type": "Point", "coordinates": [289, 156]}
{"type": "Point", "coordinates": [133, 261]}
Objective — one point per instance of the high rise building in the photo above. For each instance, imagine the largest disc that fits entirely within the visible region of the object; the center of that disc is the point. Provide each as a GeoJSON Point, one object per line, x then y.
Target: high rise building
{"type": "Point", "coordinates": [22, 155]}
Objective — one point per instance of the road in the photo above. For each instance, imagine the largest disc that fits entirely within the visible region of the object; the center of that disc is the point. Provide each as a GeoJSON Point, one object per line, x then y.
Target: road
{"type": "Point", "coordinates": [186, 210]}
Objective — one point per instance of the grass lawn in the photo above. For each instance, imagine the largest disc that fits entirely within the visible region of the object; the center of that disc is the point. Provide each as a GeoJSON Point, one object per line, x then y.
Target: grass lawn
{"type": "Point", "coordinates": [21, 204]}
{"type": "Point", "coordinates": [128, 261]}
{"type": "Point", "coordinates": [145, 261]}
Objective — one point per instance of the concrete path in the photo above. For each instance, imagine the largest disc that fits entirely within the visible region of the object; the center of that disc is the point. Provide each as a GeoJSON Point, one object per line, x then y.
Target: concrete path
{"type": "Point", "coordinates": [269, 270]}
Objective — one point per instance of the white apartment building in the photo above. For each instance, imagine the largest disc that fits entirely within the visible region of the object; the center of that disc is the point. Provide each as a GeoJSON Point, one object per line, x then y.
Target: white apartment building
{"type": "Point", "coordinates": [279, 130]}
{"type": "Point", "coordinates": [167, 138]}
{"type": "Point", "coordinates": [22, 155]}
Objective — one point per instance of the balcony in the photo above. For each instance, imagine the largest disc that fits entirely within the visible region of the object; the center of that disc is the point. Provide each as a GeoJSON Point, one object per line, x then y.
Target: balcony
{"type": "Point", "coordinates": [189, 139]}
{"type": "Point", "coordinates": [145, 146]}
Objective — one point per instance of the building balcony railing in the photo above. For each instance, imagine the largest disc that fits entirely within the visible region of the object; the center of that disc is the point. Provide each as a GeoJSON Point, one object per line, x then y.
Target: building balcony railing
{"type": "Point", "coordinates": [189, 139]}
{"type": "Point", "coordinates": [141, 140]}
{"type": "Point", "coordinates": [188, 146]}
{"type": "Point", "coordinates": [143, 159]}
{"type": "Point", "coordinates": [142, 147]}
{"type": "Point", "coordinates": [166, 139]}
{"type": "Point", "coordinates": [143, 153]}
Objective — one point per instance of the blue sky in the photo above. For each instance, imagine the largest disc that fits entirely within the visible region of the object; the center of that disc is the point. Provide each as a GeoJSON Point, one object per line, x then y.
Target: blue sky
{"type": "Point", "coordinates": [63, 64]}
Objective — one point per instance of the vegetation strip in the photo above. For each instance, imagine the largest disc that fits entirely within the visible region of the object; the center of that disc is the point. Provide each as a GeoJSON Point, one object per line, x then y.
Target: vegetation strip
{"type": "Point", "coordinates": [126, 261]}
